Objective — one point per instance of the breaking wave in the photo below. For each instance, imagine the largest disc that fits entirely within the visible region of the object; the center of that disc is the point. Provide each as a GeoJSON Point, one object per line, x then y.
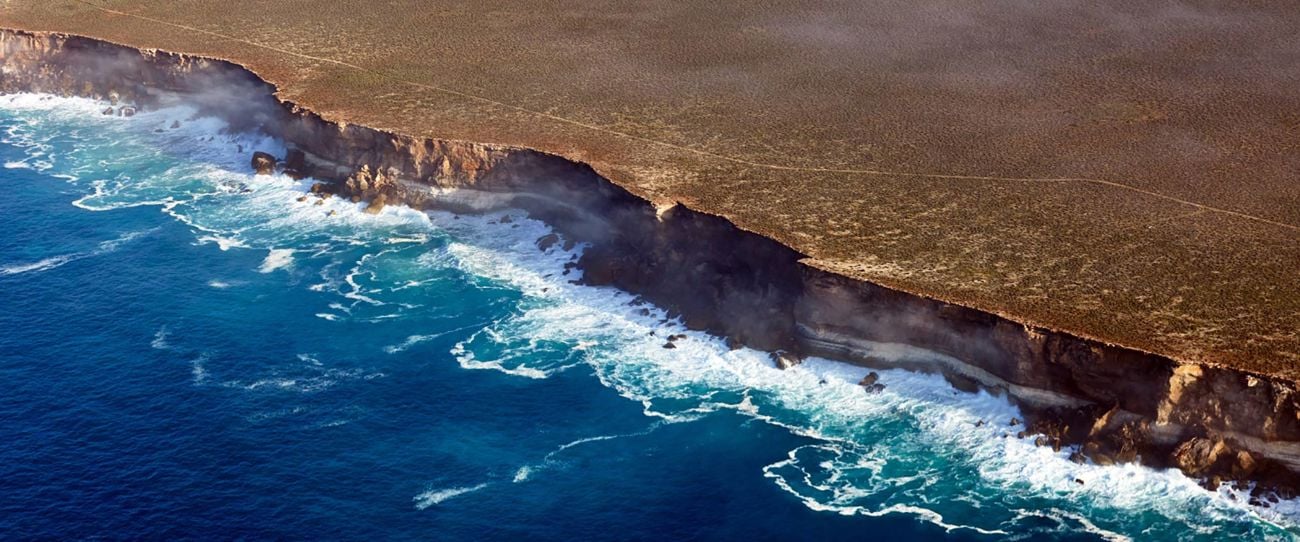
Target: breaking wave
{"type": "Point", "coordinates": [917, 448]}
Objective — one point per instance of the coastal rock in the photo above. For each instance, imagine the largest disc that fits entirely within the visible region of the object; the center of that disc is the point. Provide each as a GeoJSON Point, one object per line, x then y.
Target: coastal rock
{"type": "Point", "coordinates": [545, 242]}
{"type": "Point", "coordinates": [377, 204]}
{"type": "Point", "coordinates": [869, 380]}
{"type": "Point", "coordinates": [368, 184]}
{"type": "Point", "coordinates": [126, 111]}
{"type": "Point", "coordinates": [1245, 465]}
{"type": "Point", "coordinates": [736, 284]}
{"type": "Point", "coordinates": [295, 164]}
{"type": "Point", "coordinates": [263, 163]}
{"type": "Point", "coordinates": [784, 360]}
{"type": "Point", "coordinates": [1197, 455]}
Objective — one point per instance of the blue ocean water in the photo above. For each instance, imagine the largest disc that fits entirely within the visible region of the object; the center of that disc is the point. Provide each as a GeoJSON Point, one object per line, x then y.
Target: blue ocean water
{"type": "Point", "coordinates": [189, 351]}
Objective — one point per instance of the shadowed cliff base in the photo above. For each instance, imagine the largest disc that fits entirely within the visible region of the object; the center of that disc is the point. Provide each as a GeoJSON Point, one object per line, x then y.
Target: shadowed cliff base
{"type": "Point", "coordinates": [1122, 171]}
{"type": "Point", "coordinates": [1117, 404]}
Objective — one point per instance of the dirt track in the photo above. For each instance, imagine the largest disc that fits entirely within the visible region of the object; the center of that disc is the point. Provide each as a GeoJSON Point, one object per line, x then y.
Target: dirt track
{"type": "Point", "coordinates": [1127, 173]}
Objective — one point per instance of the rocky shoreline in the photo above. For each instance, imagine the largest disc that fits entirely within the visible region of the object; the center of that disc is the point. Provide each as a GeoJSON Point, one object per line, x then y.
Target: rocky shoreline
{"type": "Point", "coordinates": [1114, 404]}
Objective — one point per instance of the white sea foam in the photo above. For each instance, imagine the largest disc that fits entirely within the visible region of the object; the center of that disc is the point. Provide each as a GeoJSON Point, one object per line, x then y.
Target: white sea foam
{"type": "Point", "coordinates": [467, 361]}
{"type": "Point", "coordinates": [526, 472]}
{"type": "Point", "coordinates": [414, 340]}
{"type": "Point", "coordinates": [308, 375]}
{"type": "Point", "coordinates": [916, 448]}
{"type": "Point", "coordinates": [277, 258]}
{"type": "Point", "coordinates": [198, 369]}
{"type": "Point", "coordinates": [41, 265]}
{"type": "Point", "coordinates": [819, 399]}
{"type": "Point", "coordinates": [159, 341]}
{"type": "Point", "coordinates": [222, 243]}
{"type": "Point", "coordinates": [53, 262]}
{"type": "Point", "coordinates": [438, 496]}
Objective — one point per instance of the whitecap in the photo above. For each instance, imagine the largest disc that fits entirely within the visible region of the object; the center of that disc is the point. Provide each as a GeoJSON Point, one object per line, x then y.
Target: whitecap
{"type": "Point", "coordinates": [198, 369]}
{"type": "Point", "coordinates": [104, 247]}
{"type": "Point", "coordinates": [818, 399]}
{"type": "Point", "coordinates": [414, 340]}
{"type": "Point", "coordinates": [41, 265]}
{"type": "Point", "coordinates": [223, 243]}
{"type": "Point", "coordinates": [159, 341]}
{"type": "Point", "coordinates": [467, 361]}
{"type": "Point", "coordinates": [438, 496]}
{"type": "Point", "coordinates": [278, 258]}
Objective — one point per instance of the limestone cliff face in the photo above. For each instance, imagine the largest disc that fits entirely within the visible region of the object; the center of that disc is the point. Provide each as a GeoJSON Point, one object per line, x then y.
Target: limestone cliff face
{"type": "Point", "coordinates": [1117, 404]}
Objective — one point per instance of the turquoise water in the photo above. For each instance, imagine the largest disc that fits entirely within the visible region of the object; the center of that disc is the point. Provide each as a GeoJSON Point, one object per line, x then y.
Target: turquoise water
{"type": "Point", "coordinates": [187, 350]}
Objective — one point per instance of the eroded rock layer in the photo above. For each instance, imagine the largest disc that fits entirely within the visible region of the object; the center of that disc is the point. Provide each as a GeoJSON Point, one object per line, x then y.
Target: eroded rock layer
{"type": "Point", "coordinates": [1116, 404]}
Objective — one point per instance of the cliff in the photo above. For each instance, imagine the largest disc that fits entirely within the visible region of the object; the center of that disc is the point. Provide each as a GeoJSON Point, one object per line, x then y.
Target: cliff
{"type": "Point", "coordinates": [1118, 404]}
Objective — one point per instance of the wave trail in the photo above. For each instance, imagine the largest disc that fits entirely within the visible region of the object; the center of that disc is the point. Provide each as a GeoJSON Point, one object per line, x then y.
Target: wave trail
{"type": "Point", "coordinates": [54, 262]}
{"type": "Point", "coordinates": [437, 496]}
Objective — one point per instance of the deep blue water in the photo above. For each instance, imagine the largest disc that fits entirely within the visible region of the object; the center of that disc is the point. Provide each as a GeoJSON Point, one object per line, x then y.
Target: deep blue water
{"type": "Point", "coordinates": [187, 351]}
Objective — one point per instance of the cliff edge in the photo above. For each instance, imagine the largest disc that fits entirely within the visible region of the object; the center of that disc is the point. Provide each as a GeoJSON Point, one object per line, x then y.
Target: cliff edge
{"type": "Point", "coordinates": [1198, 407]}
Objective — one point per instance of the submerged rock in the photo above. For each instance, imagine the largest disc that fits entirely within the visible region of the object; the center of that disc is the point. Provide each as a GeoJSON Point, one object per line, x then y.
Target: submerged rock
{"type": "Point", "coordinates": [263, 163]}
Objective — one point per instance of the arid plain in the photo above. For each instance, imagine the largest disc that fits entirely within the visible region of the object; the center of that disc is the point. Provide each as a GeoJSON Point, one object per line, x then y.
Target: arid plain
{"type": "Point", "coordinates": [1123, 171]}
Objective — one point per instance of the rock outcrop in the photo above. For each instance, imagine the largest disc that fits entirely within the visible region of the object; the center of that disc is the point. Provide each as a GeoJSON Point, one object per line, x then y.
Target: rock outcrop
{"type": "Point", "coordinates": [1114, 404]}
{"type": "Point", "coordinates": [295, 164]}
{"type": "Point", "coordinates": [263, 163]}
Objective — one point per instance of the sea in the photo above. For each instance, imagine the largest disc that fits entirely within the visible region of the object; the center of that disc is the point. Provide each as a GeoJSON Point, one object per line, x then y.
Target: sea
{"type": "Point", "coordinates": [189, 351]}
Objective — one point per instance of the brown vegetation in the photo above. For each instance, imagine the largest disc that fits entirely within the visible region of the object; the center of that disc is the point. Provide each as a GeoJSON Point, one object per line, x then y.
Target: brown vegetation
{"type": "Point", "coordinates": [1123, 171]}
